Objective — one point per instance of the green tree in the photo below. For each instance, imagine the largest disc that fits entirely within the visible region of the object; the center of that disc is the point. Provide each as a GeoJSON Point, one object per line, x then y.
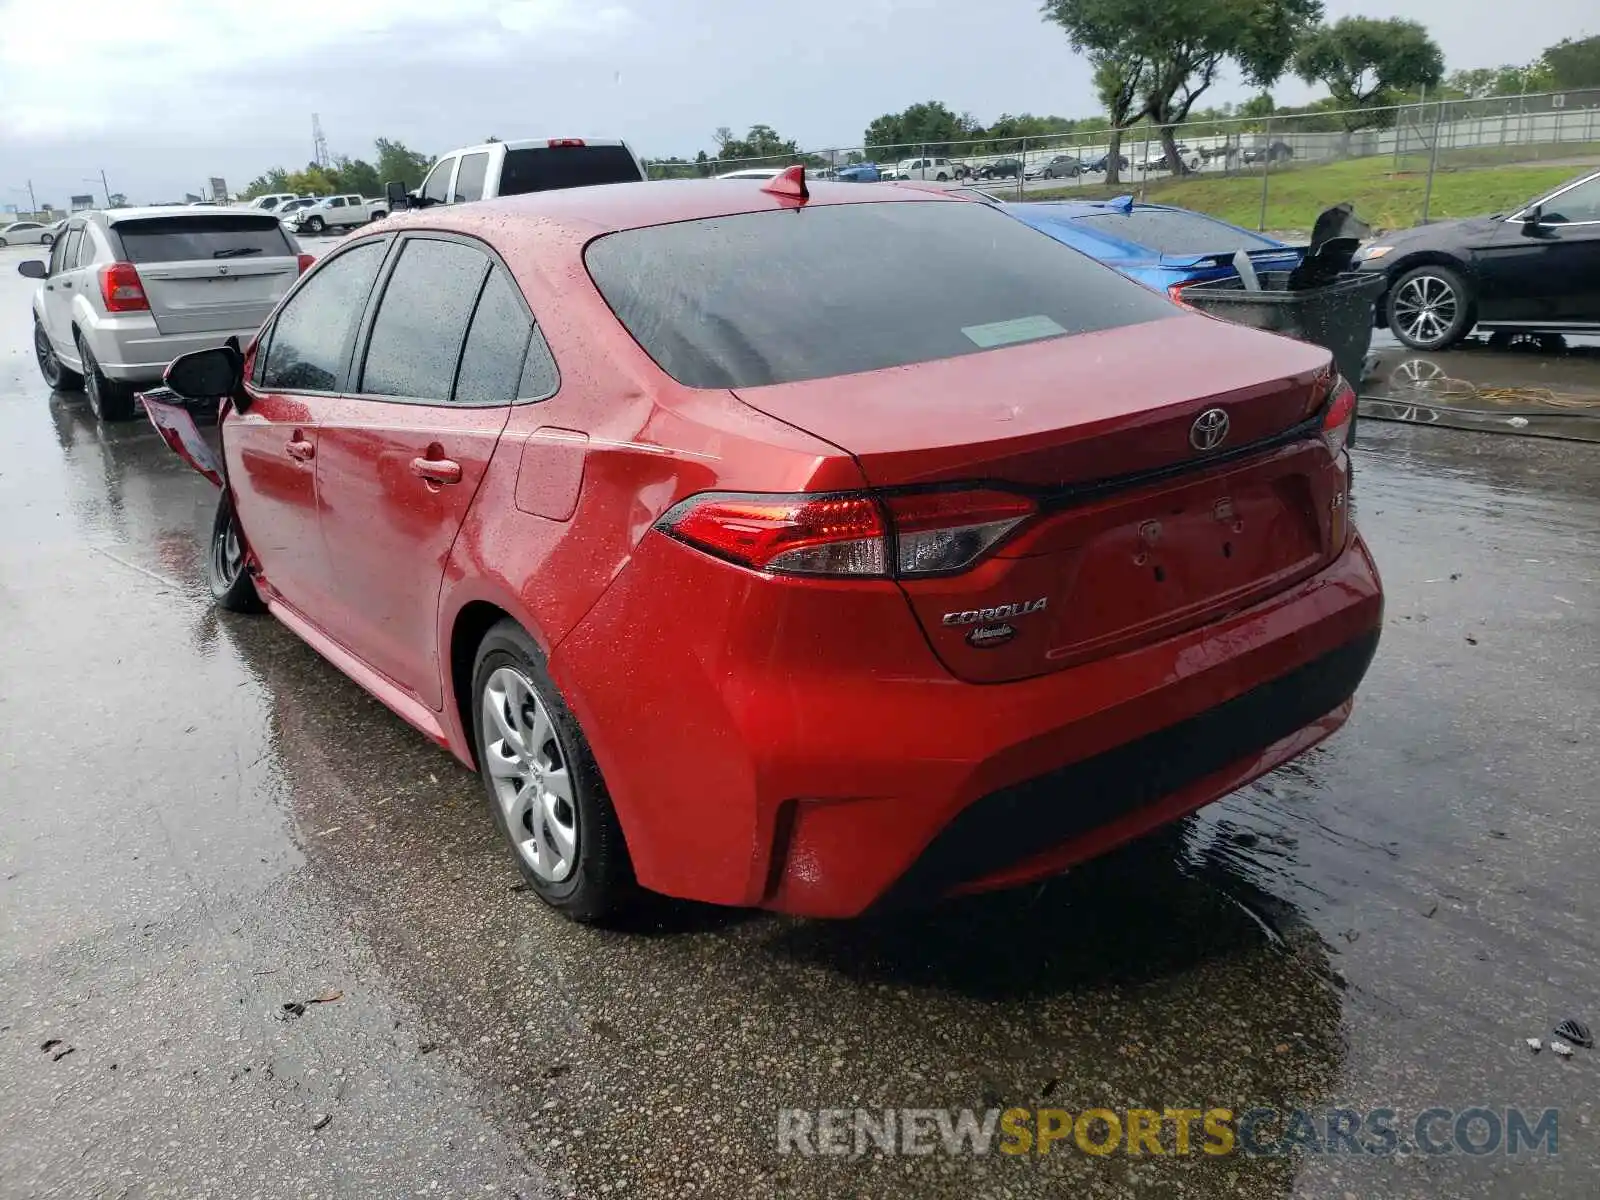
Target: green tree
{"type": "Point", "coordinates": [1119, 81]}
{"type": "Point", "coordinates": [396, 161]}
{"type": "Point", "coordinates": [358, 175]}
{"type": "Point", "coordinates": [273, 181]}
{"type": "Point", "coordinates": [1258, 106]}
{"type": "Point", "coordinates": [1367, 63]}
{"type": "Point", "coordinates": [1184, 45]}
{"type": "Point", "coordinates": [760, 147]}
{"type": "Point", "coordinates": [931, 125]}
{"type": "Point", "coordinates": [1571, 64]}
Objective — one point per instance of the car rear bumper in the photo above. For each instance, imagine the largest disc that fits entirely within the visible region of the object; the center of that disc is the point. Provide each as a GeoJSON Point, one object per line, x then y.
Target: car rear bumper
{"type": "Point", "coordinates": [132, 349]}
{"type": "Point", "coordinates": [826, 770]}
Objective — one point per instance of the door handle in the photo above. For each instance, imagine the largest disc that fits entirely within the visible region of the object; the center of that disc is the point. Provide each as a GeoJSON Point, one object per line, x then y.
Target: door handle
{"type": "Point", "coordinates": [300, 450]}
{"type": "Point", "coordinates": [436, 470]}
{"type": "Point", "coordinates": [66, 283]}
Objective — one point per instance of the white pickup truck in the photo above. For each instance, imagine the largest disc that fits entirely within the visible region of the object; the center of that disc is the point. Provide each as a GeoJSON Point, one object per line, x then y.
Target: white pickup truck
{"type": "Point", "coordinates": [335, 212]}
{"type": "Point", "coordinates": [492, 169]}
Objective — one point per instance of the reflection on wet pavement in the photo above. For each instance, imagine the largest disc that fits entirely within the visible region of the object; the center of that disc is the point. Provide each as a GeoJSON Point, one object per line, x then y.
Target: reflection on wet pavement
{"type": "Point", "coordinates": [206, 821]}
{"type": "Point", "coordinates": [1533, 385]}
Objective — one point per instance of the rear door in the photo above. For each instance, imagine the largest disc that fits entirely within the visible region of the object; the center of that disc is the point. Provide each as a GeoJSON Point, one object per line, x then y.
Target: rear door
{"type": "Point", "coordinates": [300, 365]}
{"type": "Point", "coordinates": [401, 455]}
{"type": "Point", "coordinates": [209, 271]}
{"type": "Point", "coordinates": [59, 288]}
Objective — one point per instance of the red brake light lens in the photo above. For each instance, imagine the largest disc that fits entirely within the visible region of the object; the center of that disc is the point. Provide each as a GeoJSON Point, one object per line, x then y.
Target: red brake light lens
{"type": "Point", "coordinates": [1341, 411]}
{"type": "Point", "coordinates": [121, 289]}
{"type": "Point", "coordinates": [850, 534]}
{"type": "Point", "coordinates": [1175, 293]}
{"type": "Point", "coordinates": [305, 263]}
{"type": "Point", "coordinates": [555, 142]}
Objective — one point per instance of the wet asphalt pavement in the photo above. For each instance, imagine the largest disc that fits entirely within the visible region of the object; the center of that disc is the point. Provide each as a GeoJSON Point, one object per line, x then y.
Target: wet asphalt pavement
{"type": "Point", "coordinates": [204, 822]}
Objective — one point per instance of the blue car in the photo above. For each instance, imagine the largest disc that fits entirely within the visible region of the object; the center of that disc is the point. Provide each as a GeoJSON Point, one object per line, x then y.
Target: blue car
{"type": "Point", "coordinates": [858, 173]}
{"type": "Point", "coordinates": [1162, 247]}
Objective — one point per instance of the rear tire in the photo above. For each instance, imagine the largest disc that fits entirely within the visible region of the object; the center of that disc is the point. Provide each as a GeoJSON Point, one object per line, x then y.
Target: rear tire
{"type": "Point", "coordinates": [109, 399]}
{"type": "Point", "coordinates": [543, 786]}
{"type": "Point", "coordinates": [48, 239]}
{"type": "Point", "coordinates": [57, 374]}
{"type": "Point", "coordinates": [226, 572]}
{"type": "Point", "coordinates": [1430, 308]}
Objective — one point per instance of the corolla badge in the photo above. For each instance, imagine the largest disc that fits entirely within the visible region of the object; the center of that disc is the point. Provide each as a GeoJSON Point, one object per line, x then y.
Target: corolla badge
{"type": "Point", "coordinates": [1210, 429]}
{"type": "Point", "coordinates": [1003, 612]}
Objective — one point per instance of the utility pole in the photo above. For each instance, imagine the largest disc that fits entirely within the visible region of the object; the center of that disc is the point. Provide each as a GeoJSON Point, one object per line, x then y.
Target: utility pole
{"type": "Point", "coordinates": [319, 142]}
{"type": "Point", "coordinates": [105, 187]}
{"type": "Point", "coordinates": [33, 204]}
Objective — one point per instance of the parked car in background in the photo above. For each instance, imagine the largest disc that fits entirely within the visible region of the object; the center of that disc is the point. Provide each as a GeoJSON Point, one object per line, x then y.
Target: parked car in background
{"type": "Point", "coordinates": [294, 206]}
{"type": "Point", "coordinates": [514, 168]}
{"type": "Point", "coordinates": [1162, 247]}
{"type": "Point", "coordinates": [335, 212]}
{"type": "Point", "coordinates": [1156, 159]}
{"type": "Point", "coordinates": [26, 233]}
{"type": "Point", "coordinates": [1001, 168]}
{"type": "Point", "coordinates": [1536, 270]}
{"type": "Point", "coordinates": [938, 169]}
{"type": "Point", "coordinates": [128, 290]}
{"type": "Point", "coordinates": [273, 202]}
{"type": "Point", "coordinates": [1100, 165]}
{"type": "Point", "coordinates": [810, 629]}
{"type": "Point", "coordinates": [1062, 166]}
{"type": "Point", "coordinates": [859, 173]}
{"type": "Point", "coordinates": [1277, 151]}
{"type": "Point", "coordinates": [751, 173]}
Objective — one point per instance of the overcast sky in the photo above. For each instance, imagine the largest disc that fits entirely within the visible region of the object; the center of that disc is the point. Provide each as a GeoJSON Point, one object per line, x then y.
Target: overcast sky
{"type": "Point", "coordinates": [162, 94]}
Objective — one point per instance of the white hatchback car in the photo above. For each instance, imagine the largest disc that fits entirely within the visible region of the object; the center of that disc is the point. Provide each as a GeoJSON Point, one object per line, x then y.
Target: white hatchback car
{"type": "Point", "coordinates": [127, 291]}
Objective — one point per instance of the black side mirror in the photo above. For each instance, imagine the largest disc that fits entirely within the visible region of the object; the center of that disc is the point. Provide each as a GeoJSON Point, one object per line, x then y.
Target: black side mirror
{"type": "Point", "coordinates": [33, 269]}
{"type": "Point", "coordinates": [206, 374]}
{"type": "Point", "coordinates": [1531, 218]}
{"type": "Point", "coordinates": [399, 198]}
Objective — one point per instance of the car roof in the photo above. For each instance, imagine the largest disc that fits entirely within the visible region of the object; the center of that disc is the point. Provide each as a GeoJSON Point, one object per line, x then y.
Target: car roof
{"type": "Point", "coordinates": [532, 144]}
{"type": "Point", "coordinates": [575, 215]}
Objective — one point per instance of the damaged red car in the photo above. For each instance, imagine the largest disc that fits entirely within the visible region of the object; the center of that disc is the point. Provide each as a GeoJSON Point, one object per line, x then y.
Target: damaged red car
{"type": "Point", "coordinates": [743, 574]}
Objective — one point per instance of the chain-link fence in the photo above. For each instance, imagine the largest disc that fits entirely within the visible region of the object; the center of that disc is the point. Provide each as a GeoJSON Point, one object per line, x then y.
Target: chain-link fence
{"type": "Point", "coordinates": [1398, 165]}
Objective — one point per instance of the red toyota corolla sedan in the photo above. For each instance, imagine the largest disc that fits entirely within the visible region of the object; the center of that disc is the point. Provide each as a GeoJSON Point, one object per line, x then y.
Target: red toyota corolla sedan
{"type": "Point", "coordinates": [816, 552]}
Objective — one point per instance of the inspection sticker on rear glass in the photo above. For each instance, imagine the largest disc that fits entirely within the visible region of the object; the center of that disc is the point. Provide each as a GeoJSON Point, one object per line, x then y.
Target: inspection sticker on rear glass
{"type": "Point", "coordinates": [1004, 333]}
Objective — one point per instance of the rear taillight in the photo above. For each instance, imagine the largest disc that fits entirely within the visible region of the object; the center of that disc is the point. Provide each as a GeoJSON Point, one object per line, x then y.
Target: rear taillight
{"type": "Point", "coordinates": [1339, 414]}
{"type": "Point", "coordinates": [1175, 292]}
{"type": "Point", "coordinates": [121, 289]}
{"type": "Point", "coordinates": [853, 534]}
{"type": "Point", "coordinates": [555, 142]}
{"type": "Point", "coordinates": [305, 263]}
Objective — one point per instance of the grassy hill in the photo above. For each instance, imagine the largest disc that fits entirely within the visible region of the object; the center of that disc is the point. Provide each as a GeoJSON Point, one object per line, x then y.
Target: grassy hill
{"type": "Point", "coordinates": [1384, 197]}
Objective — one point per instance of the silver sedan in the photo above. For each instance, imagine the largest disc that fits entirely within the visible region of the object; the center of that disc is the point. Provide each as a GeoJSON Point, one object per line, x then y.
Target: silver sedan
{"type": "Point", "coordinates": [28, 233]}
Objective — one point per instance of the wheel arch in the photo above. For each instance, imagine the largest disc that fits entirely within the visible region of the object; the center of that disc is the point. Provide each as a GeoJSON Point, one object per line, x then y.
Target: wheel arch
{"type": "Point", "coordinates": [474, 619]}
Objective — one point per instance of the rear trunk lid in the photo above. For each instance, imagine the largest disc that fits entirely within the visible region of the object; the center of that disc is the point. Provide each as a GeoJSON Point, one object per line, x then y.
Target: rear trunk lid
{"type": "Point", "coordinates": [1144, 528]}
{"type": "Point", "coordinates": [210, 272]}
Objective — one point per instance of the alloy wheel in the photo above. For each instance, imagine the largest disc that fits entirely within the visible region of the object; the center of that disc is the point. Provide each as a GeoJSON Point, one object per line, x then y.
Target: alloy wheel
{"type": "Point", "coordinates": [49, 364]}
{"type": "Point", "coordinates": [227, 555]}
{"type": "Point", "coordinates": [1425, 308]}
{"type": "Point", "coordinates": [529, 772]}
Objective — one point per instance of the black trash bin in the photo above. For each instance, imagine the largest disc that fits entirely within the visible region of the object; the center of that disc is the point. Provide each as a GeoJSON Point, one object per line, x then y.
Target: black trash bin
{"type": "Point", "coordinates": [1337, 315]}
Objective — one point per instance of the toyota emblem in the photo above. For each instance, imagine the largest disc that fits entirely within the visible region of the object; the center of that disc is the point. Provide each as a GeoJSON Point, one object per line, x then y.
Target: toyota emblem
{"type": "Point", "coordinates": [1210, 429]}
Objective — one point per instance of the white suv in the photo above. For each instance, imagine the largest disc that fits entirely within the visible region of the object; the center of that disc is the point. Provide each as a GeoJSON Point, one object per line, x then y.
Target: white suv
{"type": "Point", "coordinates": [127, 291]}
{"type": "Point", "coordinates": [335, 212]}
{"type": "Point", "coordinates": [940, 170]}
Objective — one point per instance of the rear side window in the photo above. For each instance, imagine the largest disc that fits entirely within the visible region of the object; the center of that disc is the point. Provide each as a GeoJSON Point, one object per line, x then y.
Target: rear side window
{"type": "Point", "coordinates": [312, 336]}
{"type": "Point", "coordinates": [542, 168]}
{"type": "Point", "coordinates": [422, 320]}
{"type": "Point", "coordinates": [86, 248]}
{"type": "Point", "coordinates": [69, 257]}
{"type": "Point", "coordinates": [775, 297]}
{"type": "Point", "coordinates": [469, 179]}
{"type": "Point", "coordinates": [491, 363]}
{"type": "Point", "coordinates": [1168, 232]}
{"type": "Point", "coordinates": [181, 239]}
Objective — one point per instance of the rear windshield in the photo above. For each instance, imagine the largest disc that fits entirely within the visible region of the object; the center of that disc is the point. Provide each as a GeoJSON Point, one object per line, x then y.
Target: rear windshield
{"type": "Point", "coordinates": [1169, 232]}
{"type": "Point", "coordinates": [179, 239]}
{"type": "Point", "coordinates": [775, 297]}
{"type": "Point", "coordinates": [543, 168]}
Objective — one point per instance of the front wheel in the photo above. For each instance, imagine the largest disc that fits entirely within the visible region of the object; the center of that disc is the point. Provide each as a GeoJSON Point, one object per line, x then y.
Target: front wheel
{"type": "Point", "coordinates": [226, 572]}
{"type": "Point", "coordinates": [316, 225]}
{"type": "Point", "coordinates": [544, 787]}
{"type": "Point", "coordinates": [1430, 308]}
{"type": "Point", "coordinates": [48, 239]}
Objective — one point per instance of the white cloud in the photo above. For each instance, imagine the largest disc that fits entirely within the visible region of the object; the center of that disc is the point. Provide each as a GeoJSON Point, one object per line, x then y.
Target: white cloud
{"type": "Point", "coordinates": [117, 63]}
